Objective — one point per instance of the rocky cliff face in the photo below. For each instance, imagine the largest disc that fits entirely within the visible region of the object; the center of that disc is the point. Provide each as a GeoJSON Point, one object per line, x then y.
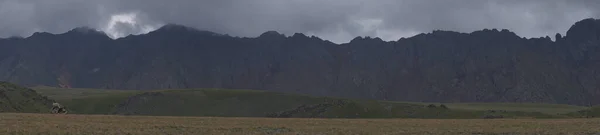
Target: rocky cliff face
{"type": "Point", "coordinates": [482, 66]}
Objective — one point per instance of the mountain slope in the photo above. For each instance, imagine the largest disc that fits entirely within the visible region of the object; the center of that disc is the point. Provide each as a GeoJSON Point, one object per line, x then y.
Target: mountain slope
{"type": "Point", "coordinates": [15, 98]}
{"type": "Point", "coordinates": [441, 66]}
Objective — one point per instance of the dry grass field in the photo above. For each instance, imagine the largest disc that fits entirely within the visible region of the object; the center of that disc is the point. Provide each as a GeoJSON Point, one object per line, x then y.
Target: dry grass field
{"type": "Point", "coordinates": [22, 123]}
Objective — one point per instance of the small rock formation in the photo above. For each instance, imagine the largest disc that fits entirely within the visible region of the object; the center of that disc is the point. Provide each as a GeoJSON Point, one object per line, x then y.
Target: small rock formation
{"type": "Point", "coordinates": [558, 37]}
{"type": "Point", "coordinates": [58, 109]}
{"type": "Point", "coordinates": [443, 106]}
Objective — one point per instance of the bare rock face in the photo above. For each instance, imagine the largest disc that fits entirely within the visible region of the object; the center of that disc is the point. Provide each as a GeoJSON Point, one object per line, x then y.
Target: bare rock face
{"type": "Point", "coordinates": [441, 66]}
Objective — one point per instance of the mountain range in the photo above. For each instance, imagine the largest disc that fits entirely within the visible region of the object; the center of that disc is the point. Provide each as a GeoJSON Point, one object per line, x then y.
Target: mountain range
{"type": "Point", "coordinates": [488, 65]}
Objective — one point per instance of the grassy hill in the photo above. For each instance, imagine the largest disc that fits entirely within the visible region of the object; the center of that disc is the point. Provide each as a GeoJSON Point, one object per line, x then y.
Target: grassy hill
{"type": "Point", "coordinates": [524, 107]}
{"type": "Point", "coordinates": [254, 103]}
{"type": "Point", "coordinates": [74, 93]}
{"type": "Point", "coordinates": [14, 98]}
{"type": "Point", "coordinates": [593, 112]}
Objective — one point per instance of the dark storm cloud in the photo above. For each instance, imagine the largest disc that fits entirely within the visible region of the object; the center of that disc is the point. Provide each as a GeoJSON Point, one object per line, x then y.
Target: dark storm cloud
{"type": "Point", "coordinates": [336, 20]}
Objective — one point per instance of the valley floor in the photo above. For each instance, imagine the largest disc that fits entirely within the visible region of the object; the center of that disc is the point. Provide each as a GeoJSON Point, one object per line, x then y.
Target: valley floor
{"type": "Point", "coordinates": [23, 123]}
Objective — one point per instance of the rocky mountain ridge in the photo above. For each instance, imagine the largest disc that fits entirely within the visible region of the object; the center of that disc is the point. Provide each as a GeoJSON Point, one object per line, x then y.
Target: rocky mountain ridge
{"type": "Point", "coordinates": [489, 65]}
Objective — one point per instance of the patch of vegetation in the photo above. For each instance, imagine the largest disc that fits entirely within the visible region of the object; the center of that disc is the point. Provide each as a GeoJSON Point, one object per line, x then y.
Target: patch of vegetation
{"type": "Point", "coordinates": [99, 104]}
{"type": "Point", "coordinates": [593, 112]}
{"type": "Point", "coordinates": [552, 109]}
{"type": "Point", "coordinates": [14, 98]}
{"type": "Point", "coordinates": [273, 130]}
{"type": "Point", "coordinates": [75, 93]}
{"type": "Point", "coordinates": [254, 103]}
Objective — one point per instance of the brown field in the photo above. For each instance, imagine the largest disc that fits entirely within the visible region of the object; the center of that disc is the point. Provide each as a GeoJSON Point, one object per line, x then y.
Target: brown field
{"type": "Point", "coordinates": [14, 123]}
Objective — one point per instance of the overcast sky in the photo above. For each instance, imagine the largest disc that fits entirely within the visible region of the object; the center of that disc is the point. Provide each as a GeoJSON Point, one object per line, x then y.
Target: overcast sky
{"type": "Point", "coordinates": [335, 20]}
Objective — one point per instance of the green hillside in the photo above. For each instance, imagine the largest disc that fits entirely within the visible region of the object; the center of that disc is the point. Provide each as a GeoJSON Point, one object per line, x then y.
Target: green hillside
{"type": "Point", "coordinates": [14, 98]}
{"type": "Point", "coordinates": [254, 103]}
{"type": "Point", "coordinates": [593, 112]}
{"type": "Point", "coordinates": [525, 107]}
{"type": "Point", "coordinates": [72, 93]}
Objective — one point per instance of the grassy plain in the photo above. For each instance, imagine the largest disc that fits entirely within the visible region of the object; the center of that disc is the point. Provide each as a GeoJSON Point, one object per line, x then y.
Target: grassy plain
{"type": "Point", "coordinates": [24, 123]}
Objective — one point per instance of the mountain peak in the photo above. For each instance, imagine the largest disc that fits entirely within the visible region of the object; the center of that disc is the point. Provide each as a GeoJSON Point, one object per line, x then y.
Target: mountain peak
{"type": "Point", "coordinates": [366, 38]}
{"type": "Point", "coordinates": [40, 34]}
{"type": "Point", "coordinates": [86, 30]}
{"type": "Point", "coordinates": [271, 34]}
{"type": "Point", "coordinates": [181, 29]}
{"type": "Point", "coordinates": [586, 29]}
{"type": "Point", "coordinates": [299, 35]}
{"type": "Point", "coordinates": [176, 27]}
{"type": "Point", "coordinates": [496, 32]}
